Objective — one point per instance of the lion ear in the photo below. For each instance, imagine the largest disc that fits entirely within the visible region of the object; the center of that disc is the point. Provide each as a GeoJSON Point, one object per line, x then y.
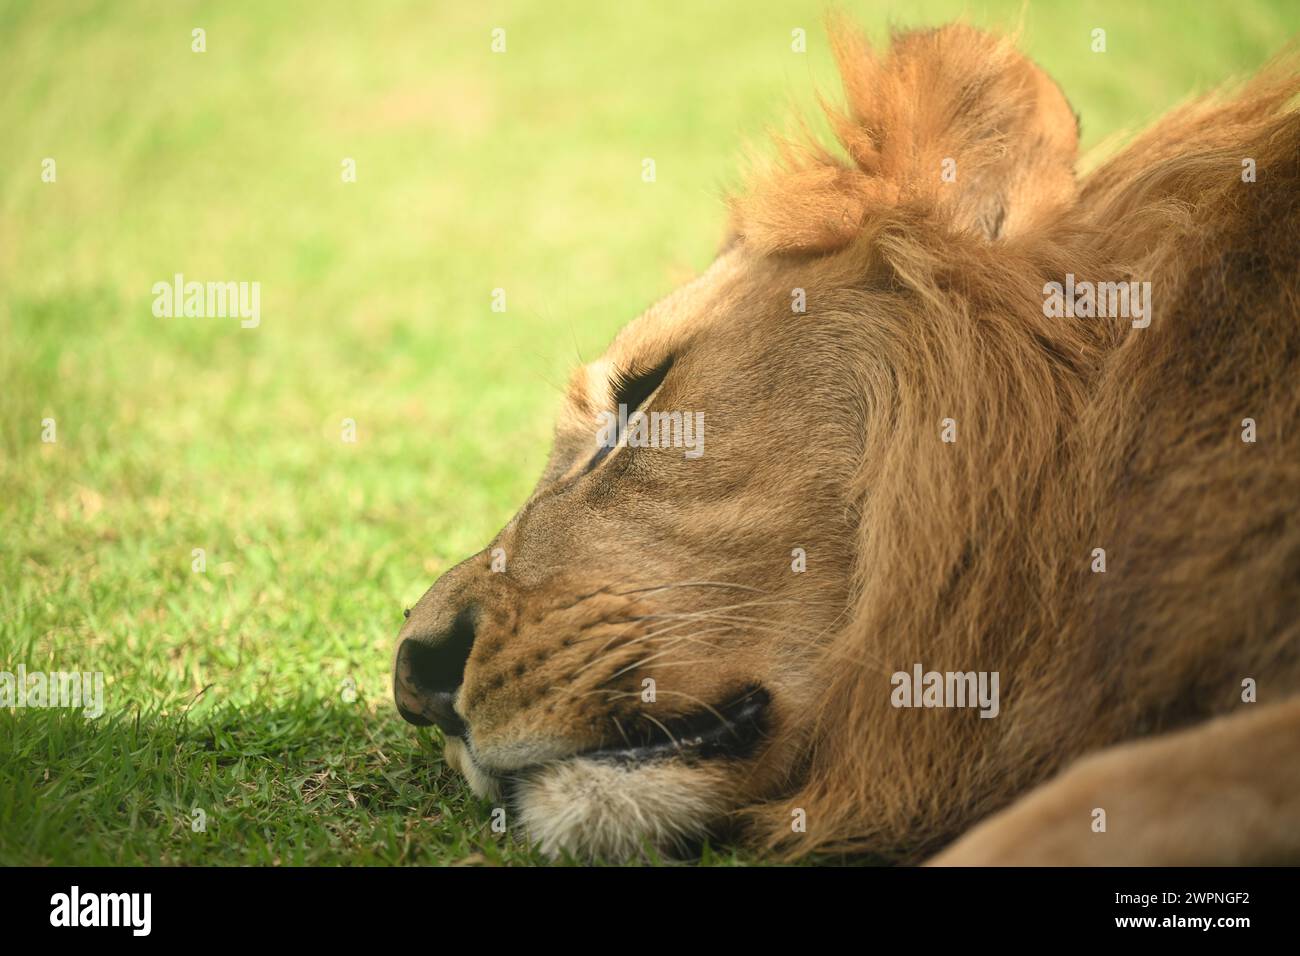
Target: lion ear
{"type": "Point", "coordinates": [958, 118]}
{"type": "Point", "coordinates": [953, 122]}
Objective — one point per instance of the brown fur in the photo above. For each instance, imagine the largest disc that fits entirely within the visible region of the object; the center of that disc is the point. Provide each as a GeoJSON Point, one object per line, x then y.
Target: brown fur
{"type": "Point", "coordinates": [925, 302]}
{"type": "Point", "coordinates": [1077, 435]}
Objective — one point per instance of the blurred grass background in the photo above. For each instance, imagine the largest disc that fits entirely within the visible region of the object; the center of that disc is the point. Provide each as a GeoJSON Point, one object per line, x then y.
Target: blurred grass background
{"type": "Point", "coordinates": [475, 171]}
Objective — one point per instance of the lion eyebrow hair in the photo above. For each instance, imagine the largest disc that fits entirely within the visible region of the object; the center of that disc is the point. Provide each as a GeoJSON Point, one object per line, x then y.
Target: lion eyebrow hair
{"type": "Point", "coordinates": [579, 391]}
{"type": "Point", "coordinates": [632, 385]}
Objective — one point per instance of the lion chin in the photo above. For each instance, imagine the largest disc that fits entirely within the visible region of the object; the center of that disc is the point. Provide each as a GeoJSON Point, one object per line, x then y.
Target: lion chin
{"type": "Point", "coordinates": [603, 810]}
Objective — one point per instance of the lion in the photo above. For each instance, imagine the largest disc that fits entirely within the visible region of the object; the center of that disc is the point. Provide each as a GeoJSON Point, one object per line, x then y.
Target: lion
{"type": "Point", "coordinates": [911, 464]}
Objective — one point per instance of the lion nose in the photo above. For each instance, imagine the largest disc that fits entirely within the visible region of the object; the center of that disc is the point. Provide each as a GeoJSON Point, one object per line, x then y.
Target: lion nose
{"type": "Point", "coordinates": [430, 667]}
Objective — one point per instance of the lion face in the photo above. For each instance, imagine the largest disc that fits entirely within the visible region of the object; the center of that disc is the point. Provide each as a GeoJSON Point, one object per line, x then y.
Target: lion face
{"type": "Point", "coordinates": [629, 659]}
{"type": "Point", "coordinates": [680, 629]}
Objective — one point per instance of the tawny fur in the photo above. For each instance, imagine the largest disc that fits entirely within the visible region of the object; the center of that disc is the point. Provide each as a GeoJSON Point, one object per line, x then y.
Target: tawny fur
{"type": "Point", "coordinates": [925, 303]}
{"type": "Point", "coordinates": [1074, 435]}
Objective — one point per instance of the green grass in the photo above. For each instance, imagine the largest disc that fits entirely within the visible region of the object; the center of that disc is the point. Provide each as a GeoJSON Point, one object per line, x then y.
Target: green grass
{"type": "Point", "coordinates": [475, 171]}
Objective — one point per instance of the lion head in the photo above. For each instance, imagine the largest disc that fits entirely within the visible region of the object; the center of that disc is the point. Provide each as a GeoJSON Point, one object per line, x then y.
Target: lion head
{"type": "Point", "coordinates": [752, 514]}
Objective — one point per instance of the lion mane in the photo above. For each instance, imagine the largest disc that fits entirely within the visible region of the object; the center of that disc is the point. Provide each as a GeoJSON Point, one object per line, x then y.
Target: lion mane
{"type": "Point", "coordinates": [1072, 434]}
